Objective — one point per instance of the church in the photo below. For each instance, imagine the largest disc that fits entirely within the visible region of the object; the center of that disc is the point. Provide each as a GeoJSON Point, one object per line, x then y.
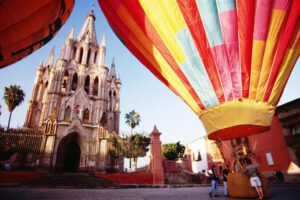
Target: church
{"type": "Point", "coordinates": [76, 102]}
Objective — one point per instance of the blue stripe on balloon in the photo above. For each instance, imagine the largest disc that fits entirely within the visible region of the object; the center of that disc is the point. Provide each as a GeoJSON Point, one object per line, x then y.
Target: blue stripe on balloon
{"type": "Point", "coordinates": [225, 5]}
{"type": "Point", "coordinates": [194, 69]}
{"type": "Point", "coordinates": [210, 18]}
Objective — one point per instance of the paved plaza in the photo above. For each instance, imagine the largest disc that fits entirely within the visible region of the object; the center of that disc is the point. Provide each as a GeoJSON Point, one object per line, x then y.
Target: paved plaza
{"type": "Point", "coordinates": [283, 192]}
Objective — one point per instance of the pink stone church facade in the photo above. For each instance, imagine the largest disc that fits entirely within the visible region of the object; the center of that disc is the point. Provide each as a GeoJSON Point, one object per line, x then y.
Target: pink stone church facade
{"type": "Point", "coordinates": [76, 102]}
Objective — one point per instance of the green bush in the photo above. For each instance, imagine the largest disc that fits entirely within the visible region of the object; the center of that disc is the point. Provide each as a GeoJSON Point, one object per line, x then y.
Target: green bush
{"type": "Point", "coordinates": [169, 151]}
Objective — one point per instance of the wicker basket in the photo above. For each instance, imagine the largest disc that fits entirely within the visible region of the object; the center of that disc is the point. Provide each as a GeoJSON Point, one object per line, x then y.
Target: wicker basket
{"type": "Point", "coordinates": [239, 186]}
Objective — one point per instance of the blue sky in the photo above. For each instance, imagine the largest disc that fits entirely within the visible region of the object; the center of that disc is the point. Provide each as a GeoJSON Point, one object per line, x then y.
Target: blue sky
{"type": "Point", "coordinates": [140, 91]}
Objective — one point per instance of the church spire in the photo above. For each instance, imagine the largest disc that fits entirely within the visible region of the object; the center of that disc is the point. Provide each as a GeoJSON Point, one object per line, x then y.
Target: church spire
{"type": "Point", "coordinates": [71, 34]}
{"type": "Point", "coordinates": [102, 52]}
{"type": "Point", "coordinates": [112, 74]}
{"type": "Point", "coordinates": [88, 31]}
{"type": "Point", "coordinates": [40, 65]}
{"type": "Point", "coordinates": [103, 40]}
{"type": "Point", "coordinates": [50, 59]}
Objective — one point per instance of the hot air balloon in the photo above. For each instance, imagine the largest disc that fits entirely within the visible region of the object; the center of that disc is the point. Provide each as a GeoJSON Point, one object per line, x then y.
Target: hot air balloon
{"type": "Point", "coordinates": [228, 60]}
{"type": "Point", "coordinates": [27, 25]}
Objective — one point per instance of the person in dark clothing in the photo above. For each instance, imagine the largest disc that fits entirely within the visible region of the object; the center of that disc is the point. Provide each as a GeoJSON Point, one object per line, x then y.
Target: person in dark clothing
{"type": "Point", "coordinates": [214, 181]}
{"type": "Point", "coordinates": [225, 172]}
{"type": "Point", "coordinates": [279, 176]}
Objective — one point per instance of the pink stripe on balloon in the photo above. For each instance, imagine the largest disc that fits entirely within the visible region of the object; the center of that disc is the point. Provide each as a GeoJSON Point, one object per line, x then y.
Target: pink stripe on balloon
{"type": "Point", "coordinates": [228, 21]}
{"type": "Point", "coordinates": [263, 13]}
{"type": "Point", "coordinates": [221, 60]}
{"type": "Point", "coordinates": [282, 4]}
{"type": "Point", "coordinates": [229, 27]}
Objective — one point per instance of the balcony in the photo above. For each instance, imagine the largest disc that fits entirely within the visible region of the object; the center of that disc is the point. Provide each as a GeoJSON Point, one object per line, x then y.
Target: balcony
{"type": "Point", "coordinates": [289, 114]}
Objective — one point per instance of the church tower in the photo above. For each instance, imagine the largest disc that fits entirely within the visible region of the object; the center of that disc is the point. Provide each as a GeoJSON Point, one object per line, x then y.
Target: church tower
{"type": "Point", "coordinates": [76, 102]}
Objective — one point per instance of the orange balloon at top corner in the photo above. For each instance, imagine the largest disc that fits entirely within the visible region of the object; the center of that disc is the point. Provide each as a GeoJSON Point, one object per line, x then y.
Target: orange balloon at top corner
{"type": "Point", "coordinates": [27, 25]}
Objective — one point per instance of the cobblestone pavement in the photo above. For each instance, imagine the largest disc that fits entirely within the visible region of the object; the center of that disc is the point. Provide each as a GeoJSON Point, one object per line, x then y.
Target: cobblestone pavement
{"type": "Point", "coordinates": [278, 193]}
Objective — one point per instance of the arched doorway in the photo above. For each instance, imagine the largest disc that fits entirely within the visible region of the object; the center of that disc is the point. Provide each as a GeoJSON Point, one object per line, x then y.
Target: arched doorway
{"type": "Point", "coordinates": [72, 157]}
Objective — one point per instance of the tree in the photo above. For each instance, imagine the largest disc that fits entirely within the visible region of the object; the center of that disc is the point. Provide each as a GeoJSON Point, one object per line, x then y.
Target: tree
{"type": "Point", "coordinates": [132, 119]}
{"type": "Point", "coordinates": [116, 146]}
{"type": "Point", "coordinates": [13, 96]}
{"type": "Point", "coordinates": [132, 147]}
{"type": "Point", "coordinates": [170, 151]}
{"type": "Point", "coordinates": [137, 145]}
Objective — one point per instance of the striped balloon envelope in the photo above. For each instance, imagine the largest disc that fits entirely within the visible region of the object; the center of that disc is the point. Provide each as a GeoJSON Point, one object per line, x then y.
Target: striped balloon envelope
{"type": "Point", "coordinates": [27, 25]}
{"type": "Point", "coordinates": [228, 60]}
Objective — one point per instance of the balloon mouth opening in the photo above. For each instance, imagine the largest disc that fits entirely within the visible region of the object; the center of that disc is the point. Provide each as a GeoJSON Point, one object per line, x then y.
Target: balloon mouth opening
{"type": "Point", "coordinates": [237, 132]}
{"type": "Point", "coordinates": [237, 118]}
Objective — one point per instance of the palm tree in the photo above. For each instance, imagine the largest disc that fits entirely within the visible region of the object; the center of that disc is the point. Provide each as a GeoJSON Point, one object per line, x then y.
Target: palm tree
{"type": "Point", "coordinates": [13, 96]}
{"type": "Point", "coordinates": [132, 119]}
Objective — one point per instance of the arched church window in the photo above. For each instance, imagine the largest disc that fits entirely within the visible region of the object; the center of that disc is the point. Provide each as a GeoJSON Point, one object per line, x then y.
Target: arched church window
{"type": "Point", "coordinates": [95, 56]}
{"type": "Point", "coordinates": [110, 101]}
{"type": "Point", "coordinates": [114, 93]}
{"type": "Point", "coordinates": [88, 57]}
{"type": "Point", "coordinates": [86, 116]}
{"type": "Point", "coordinates": [95, 86]}
{"type": "Point", "coordinates": [74, 82]}
{"type": "Point", "coordinates": [87, 84]}
{"type": "Point", "coordinates": [48, 126]}
{"type": "Point", "coordinates": [74, 52]}
{"type": "Point", "coordinates": [81, 55]}
{"type": "Point", "coordinates": [64, 84]}
{"type": "Point", "coordinates": [67, 116]}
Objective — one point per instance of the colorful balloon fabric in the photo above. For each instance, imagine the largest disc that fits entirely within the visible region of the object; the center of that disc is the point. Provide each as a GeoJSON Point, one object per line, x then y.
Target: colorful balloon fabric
{"type": "Point", "coordinates": [27, 25]}
{"type": "Point", "coordinates": [228, 60]}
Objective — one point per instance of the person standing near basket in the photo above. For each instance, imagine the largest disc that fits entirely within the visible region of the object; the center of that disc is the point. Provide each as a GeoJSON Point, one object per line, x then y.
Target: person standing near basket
{"type": "Point", "coordinates": [225, 173]}
{"type": "Point", "coordinates": [252, 172]}
{"type": "Point", "coordinates": [214, 181]}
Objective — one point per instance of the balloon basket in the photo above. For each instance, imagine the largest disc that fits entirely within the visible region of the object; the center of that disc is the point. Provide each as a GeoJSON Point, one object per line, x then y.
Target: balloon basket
{"type": "Point", "coordinates": [239, 186]}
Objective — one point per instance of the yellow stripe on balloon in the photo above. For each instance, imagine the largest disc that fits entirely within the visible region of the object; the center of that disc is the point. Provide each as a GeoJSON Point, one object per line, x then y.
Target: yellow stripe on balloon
{"type": "Point", "coordinates": [172, 13]}
{"type": "Point", "coordinates": [275, 30]}
{"type": "Point", "coordinates": [257, 59]}
{"type": "Point", "coordinates": [164, 27]}
{"type": "Point", "coordinates": [288, 63]}
{"type": "Point", "coordinates": [150, 52]}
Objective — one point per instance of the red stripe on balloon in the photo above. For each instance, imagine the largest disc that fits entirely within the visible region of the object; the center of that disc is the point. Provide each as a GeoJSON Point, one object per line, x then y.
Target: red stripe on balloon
{"type": "Point", "coordinates": [122, 31]}
{"type": "Point", "coordinates": [147, 27]}
{"type": "Point", "coordinates": [245, 18]}
{"type": "Point", "coordinates": [289, 29]}
{"type": "Point", "coordinates": [193, 20]}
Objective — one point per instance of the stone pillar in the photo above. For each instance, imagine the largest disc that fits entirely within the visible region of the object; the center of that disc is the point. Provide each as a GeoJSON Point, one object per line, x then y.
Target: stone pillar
{"type": "Point", "coordinates": [156, 159]}
{"type": "Point", "coordinates": [47, 152]}
{"type": "Point", "coordinates": [188, 163]}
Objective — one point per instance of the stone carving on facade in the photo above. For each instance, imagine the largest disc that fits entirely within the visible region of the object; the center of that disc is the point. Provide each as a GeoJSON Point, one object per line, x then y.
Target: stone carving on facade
{"type": "Point", "coordinates": [51, 123]}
